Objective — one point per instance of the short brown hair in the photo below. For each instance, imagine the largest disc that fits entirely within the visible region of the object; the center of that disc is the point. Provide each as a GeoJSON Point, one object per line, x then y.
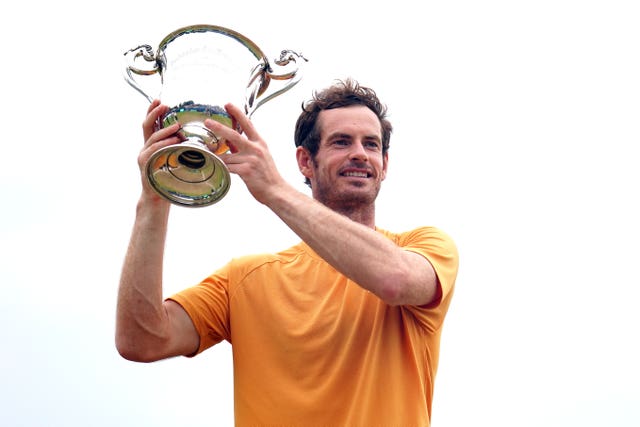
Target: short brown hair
{"type": "Point", "coordinates": [342, 94]}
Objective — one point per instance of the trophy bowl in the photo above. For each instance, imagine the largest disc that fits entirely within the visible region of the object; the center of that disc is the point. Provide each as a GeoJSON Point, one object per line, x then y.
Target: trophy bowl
{"type": "Point", "coordinates": [195, 71]}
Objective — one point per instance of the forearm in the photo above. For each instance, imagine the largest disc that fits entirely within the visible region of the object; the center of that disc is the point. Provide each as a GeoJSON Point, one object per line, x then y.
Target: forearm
{"type": "Point", "coordinates": [141, 320]}
{"type": "Point", "coordinates": [359, 252]}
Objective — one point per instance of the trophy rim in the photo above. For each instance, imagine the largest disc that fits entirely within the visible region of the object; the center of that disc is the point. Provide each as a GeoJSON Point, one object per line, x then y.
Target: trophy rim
{"type": "Point", "coordinates": [201, 28]}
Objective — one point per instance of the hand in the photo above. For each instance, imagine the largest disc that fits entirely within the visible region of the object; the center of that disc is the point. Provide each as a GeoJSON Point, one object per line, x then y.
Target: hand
{"type": "Point", "coordinates": [249, 157]}
{"type": "Point", "coordinates": [155, 139]}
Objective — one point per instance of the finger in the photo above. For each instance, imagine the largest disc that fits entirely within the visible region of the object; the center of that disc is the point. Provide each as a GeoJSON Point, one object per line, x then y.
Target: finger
{"type": "Point", "coordinates": [153, 105]}
{"type": "Point", "coordinates": [150, 120]}
{"type": "Point", "coordinates": [232, 148]}
{"type": "Point", "coordinates": [164, 133]}
{"type": "Point", "coordinates": [230, 136]}
{"type": "Point", "coordinates": [150, 123]}
{"type": "Point", "coordinates": [155, 110]}
{"type": "Point", "coordinates": [244, 121]}
{"type": "Point", "coordinates": [155, 143]}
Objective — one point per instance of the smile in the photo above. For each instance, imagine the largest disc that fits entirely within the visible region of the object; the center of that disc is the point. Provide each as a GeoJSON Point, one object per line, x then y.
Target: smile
{"type": "Point", "coordinates": [356, 174]}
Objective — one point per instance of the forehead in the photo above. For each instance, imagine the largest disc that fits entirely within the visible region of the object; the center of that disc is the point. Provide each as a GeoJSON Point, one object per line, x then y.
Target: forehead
{"type": "Point", "coordinates": [352, 120]}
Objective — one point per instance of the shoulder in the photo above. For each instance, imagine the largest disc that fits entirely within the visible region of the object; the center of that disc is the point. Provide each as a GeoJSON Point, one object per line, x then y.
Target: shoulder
{"type": "Point", "coordinates": [419, 236]}
{"type": "Point", "coordinates": [432, 243]}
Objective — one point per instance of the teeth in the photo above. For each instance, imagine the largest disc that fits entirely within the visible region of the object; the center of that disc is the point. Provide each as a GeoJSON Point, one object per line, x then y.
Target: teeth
{"type": "Point", "coordinates": [357, 174]}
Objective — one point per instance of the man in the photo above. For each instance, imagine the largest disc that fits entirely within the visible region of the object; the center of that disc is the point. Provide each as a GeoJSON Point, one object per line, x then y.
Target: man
{"type": "Point", "coordinates": [342, 329]}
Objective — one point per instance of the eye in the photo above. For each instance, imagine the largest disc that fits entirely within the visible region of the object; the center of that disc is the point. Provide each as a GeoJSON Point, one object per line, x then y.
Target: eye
{"type": "Point", "coordinates": [372, 145]}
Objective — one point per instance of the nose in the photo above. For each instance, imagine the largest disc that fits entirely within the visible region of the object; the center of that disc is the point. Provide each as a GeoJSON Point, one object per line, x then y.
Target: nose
{"type": "Point", "coordinates": [358, 151]}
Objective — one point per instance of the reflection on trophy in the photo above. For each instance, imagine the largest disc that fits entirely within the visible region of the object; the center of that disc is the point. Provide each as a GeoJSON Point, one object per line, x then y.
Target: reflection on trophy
{"type": "Point", "coordinates": [198, 69]}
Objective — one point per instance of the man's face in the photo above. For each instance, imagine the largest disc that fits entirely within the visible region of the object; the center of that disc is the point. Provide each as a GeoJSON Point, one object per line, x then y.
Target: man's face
{"type": "Point", "coordinates": [349, 166]}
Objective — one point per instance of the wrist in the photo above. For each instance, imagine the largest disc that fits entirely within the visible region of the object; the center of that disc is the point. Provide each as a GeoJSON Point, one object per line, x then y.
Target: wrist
{"type": "Point", "coordinates": [150, 200]}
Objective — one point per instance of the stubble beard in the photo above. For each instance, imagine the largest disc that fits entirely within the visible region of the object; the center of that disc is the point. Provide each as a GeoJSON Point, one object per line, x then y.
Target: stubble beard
{"type": "Point", "coordinates": [353, 204]}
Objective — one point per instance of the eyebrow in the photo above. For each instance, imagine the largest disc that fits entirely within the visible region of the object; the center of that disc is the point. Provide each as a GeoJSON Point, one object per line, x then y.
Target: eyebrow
{"type": "Point", "coordinates": [342, 135]}
{"type": "Point", "coordinates": [337, 135]}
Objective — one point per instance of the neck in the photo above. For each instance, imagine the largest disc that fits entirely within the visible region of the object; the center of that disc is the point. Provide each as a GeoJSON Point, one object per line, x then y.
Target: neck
{"type": "Point", "coordinates": [363, 214]}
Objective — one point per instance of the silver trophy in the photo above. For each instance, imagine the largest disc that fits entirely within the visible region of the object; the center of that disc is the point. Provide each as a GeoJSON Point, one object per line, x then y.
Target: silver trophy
{"type": "Point", "coordinates": [197, 70]}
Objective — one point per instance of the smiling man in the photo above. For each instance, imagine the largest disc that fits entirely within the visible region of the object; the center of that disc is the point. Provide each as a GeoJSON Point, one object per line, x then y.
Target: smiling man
{"type": "Point", "coordinates": [342, 329]}
{"type": "Point", "coordinates": [354, 161]}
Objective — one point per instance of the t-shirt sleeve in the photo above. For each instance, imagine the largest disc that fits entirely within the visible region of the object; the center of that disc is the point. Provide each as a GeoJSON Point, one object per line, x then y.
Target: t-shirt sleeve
{"type": "Point", "coordinates": [208, 306]}
{"type": "Point", "coordinates": [440, 250]}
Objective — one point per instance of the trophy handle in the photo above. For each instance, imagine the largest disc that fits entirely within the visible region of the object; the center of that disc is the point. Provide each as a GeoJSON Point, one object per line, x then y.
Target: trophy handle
{"type": "Point", "coordinates": [289, 65]}
{"type": "Point", "coordinates": [131, 57]}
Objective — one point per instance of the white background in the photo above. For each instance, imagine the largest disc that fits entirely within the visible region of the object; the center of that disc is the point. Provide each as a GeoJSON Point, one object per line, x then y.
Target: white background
{"type": "Point", "coordinates": [516, 131]}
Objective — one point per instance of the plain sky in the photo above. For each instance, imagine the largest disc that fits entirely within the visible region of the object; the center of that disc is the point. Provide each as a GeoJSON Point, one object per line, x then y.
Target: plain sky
{"type": "Point", "coordinates": [516, 132]}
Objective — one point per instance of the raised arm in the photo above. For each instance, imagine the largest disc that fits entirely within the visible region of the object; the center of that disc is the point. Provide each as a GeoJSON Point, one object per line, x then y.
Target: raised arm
{"type": "Point", "coordinates": [147, 328]}
{"type": "Point", "coordinates": [397, 276]}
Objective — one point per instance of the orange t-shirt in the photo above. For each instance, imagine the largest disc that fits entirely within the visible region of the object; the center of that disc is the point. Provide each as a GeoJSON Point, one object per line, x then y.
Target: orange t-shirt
{"type": "Point", "coordinates": [312, 348]}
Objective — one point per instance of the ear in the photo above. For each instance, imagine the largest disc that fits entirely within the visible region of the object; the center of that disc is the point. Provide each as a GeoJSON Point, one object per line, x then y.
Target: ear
{"type": "Point", "coordinates": [305, 163]}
